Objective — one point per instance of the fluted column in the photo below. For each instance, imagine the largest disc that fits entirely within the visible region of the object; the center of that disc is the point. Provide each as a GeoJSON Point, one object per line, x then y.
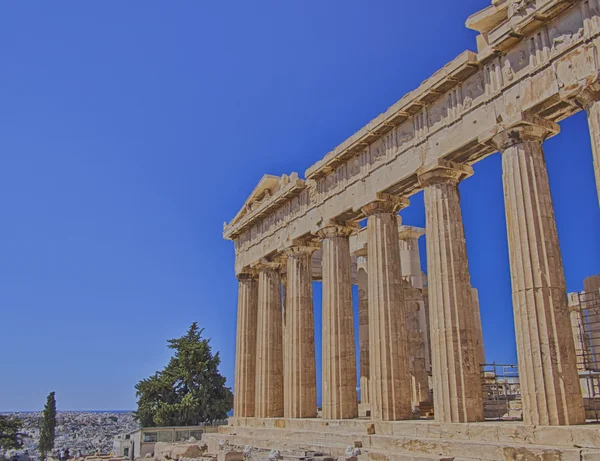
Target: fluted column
{"type": "Point", "coordinates": [286, 337]}
{"type": "Point", "coordinates": [389, 380]}
{"type": "Point", "coordinates": [413, 300]}
{"type": "Point", "coordinates": [363, 331]}
{"type": "Point", "coordinates": [339, 354]}
{"type": "Point", "coordinates": [457, 391]}
{"type": "Point", "coordinates": [590, 101]}
{"type": "Point", "coordinates": [582, 346]}
{"type": "Point", "coordinates": [245, 354]}
{"type": "Point", "coordinates": [478, 326]}
{"type": "Point", "coordinates": [545, 348]}
{"type": "Point", "coordinates": [269, 357]}
{"type": "Point", "coordinates": [300, 380]}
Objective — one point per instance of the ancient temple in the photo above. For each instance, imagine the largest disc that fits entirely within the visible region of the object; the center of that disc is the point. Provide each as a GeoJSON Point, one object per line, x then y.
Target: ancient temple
{"type": "Point", "coordinates": [537, 63]}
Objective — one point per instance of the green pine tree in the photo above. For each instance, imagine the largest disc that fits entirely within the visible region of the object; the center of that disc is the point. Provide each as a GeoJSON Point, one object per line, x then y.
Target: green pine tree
{"type": "Point", "coordinates": [48, 427]}
{"type": "Point", "coordinates": [10, 433]}
{"type": "Point", "coordinates": [189, 390]}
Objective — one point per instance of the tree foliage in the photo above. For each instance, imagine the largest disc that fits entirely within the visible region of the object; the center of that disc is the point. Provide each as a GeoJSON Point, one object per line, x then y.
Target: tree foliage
{"type": "Point", "coordinates": [189, 390]}
{"type": "Point", "coordinates": [47, 431]}
{"type": "Point", "coordinates": [11, 437]}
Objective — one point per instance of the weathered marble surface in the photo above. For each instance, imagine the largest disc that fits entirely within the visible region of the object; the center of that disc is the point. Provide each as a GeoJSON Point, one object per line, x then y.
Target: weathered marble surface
{"type": "Point", "coordinates": [454, 336]}
{"type": "Point", "coordinates": [339, 354]}
{"type": "Point", "coordinates": [389, 381]}
{"type": "Point", "coordinates": [300, 380]}
{"type": "Point", "coordinates": [269, 344]}
{"type": "Point", "coordinates": [245, 354]}
{"type": "Point", "coordinates": [545, 348]}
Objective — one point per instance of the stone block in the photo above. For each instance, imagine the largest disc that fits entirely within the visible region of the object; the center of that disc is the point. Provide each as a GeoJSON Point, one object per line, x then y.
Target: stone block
{"type": "Point", "coordinates": [406, 428]}
{"type": "Point", "coordinates": [549, 435]}
{"type": "Point", "coordinates": [590, 455]}
{"type": "Point", "coordinates": [230, 456]}
{"type": "Point", "coordinates": [571, 455]}
{"type": "Point", "coordinates": [516, 434]}
{"type": "Point", "coordinates": [586, 437]}
{"type": "Point", "coordinates": [531, 454]}
{"type": "Point", "coordinates": [280, 423]}
{"type": "Point", "coordinates": [384, 428]}
{"type": "Point", "coordinates": [164, 451]}
{"type": "Point", "coordinates": [483, 432]}
{"type": "Point", "coordinates": [454, 431]}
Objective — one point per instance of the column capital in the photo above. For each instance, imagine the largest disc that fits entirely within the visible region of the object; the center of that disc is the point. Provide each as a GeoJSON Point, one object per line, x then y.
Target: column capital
{"type": "Point", "coordinates": [411, 232]}
{"type": "Point", "coordinates": [265, 265]}
{"type": "Point", "coordinates": [522, 128]}
{"type": "Point", "coordinates": [443, 171]}
{"type": "Point", "coordinates": [586, 98]}
{"type": "Point", "coordinates": [583, 93]}
{"type": "Point", "coordinates": [247, 274]}
{"type": "Point", "coordinates": [385, 203]}
{"type": "Point", "coordinates": [337, 229]}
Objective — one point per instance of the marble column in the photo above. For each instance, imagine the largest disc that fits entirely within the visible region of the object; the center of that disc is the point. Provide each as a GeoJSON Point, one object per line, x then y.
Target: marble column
{"type": "Point", "coordinates": [300, 380]}
{"type": "Point", "coordinates": [269, 357]}
{"type": "Point", "coordinates": [582, 346]}
{"type": "Point", "coordinates": [363, 332]}
{"type": "Point", "coordinates": [339, 354]}
{"type": "Point", "coordinates": [389, 382]}
{"type": "Point", "coordinates": [286, 336]}
{"type": "Point", "coordinates": [457, 388]}
{"type": "Point", "coordinates": [545, 348]}
{"type": "Point", "coordinates": [419, 378]}
{"type": "Point", "coordinates": [245, 354]}
{"type": "Point", "coordinates": [410, 255]}
{"type": "Point", "coordinates": [413, 300]}
{"type": "Point", "coordinates": [478, 326]}
{"type": "Point", "coordinates": [590, 101]}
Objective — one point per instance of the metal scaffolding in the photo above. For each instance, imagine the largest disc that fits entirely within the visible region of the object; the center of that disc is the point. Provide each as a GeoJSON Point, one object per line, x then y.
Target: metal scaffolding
{"type": "Point", "coordinates": [587, 322]}
{"type": "Point", "coordinates": [501, 392]}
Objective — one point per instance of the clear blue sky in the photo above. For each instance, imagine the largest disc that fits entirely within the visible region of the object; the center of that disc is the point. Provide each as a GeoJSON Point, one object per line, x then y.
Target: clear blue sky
{"type": "Point", "coordinates": [130, 131]}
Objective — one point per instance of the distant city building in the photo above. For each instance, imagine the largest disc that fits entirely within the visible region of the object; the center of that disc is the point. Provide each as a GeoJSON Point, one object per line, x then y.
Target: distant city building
{"type": "Point", "coordinates": [141, 442]}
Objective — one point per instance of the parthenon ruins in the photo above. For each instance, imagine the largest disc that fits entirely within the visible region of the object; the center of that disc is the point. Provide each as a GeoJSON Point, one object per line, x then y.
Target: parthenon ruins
{"type": "Point", "coordinates": [537, 63]}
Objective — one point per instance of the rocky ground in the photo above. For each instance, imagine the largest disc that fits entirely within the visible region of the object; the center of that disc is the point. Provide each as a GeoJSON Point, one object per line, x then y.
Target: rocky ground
{"type": "Point", "coordinates": [80, 432]}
